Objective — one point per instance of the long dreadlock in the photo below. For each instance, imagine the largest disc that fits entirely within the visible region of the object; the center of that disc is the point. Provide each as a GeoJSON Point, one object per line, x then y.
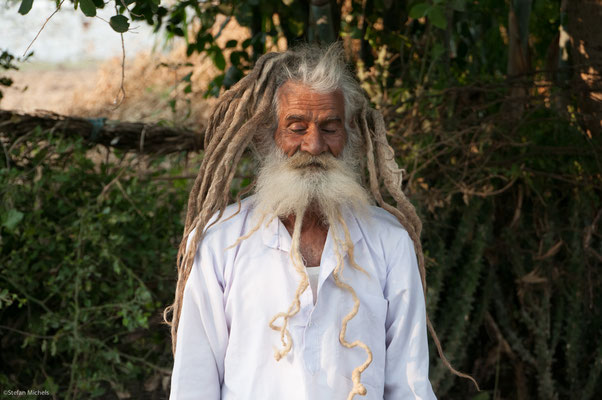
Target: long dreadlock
{"type": "Point", "coordinates": [245, 117]}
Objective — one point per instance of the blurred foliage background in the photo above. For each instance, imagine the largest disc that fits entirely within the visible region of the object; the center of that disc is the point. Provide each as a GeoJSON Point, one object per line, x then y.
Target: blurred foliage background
{"type": "Point", "coordinates": [494, 110]}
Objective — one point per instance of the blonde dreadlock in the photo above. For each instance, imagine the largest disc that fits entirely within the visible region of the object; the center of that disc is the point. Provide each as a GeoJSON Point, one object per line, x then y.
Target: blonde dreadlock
{"type": "Point", "coordinates": [244, 117]}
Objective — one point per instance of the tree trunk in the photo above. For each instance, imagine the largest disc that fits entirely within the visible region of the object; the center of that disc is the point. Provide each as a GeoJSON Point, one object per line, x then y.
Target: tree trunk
{"type": "Point", "coordinates": [518, 55]}
{"type": "Point", "coordinates": [585, 30]}
{"type": "Point", "coordinates": [321, 23]}
{"type": "Point", "coordinates": [127, 136]}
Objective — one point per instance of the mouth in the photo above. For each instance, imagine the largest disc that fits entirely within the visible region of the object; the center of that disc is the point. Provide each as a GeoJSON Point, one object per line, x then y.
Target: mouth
{"type": "Point", "coordinates": [303, 161]}
{"type": "Point", "coordinates": [312, 165]}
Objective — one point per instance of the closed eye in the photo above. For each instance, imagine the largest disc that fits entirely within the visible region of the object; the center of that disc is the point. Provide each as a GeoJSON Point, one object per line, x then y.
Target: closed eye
{"type": "Point", "coordinates": [330, 126]}
{"type": "Point", "coordinates": [297, 127]}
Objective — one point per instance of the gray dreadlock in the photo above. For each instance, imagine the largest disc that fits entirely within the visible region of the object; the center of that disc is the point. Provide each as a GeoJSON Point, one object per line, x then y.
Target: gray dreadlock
{"type": "Point", "coordinates": [244, 117]}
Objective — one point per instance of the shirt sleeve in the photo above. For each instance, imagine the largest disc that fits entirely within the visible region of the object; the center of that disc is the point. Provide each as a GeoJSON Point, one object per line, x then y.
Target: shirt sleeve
{"type": "Point", "coordinates": [407, 357]}
{"type": "Point", "coordinates": [202, 336]}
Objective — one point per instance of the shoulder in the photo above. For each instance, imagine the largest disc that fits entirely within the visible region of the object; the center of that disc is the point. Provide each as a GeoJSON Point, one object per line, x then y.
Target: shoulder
{"type": "Point", "coordinates": [386, 238]}
{"type": "Point", "coordinates": [384, 225]}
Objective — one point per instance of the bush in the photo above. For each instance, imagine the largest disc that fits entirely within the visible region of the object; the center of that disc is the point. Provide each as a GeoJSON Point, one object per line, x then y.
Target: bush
{"type": "Point", "coordinates": [512, 208]}
{"type": "Point", "coordinates": [511, 239]}
{"type": "Point", "coordinates": [88, 263]}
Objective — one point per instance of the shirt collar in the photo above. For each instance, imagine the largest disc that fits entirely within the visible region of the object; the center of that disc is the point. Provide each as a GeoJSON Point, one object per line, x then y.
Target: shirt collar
{"type": "Point", "coordinates": [275, 235]}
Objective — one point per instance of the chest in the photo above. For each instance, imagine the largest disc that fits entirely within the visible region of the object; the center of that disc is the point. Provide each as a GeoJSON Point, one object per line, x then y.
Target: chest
{"type": "Point", "coordinates": [312, 246]}
{"type": "Point", "coordinates": [311, 254]}
{"type": "Point", "coordinates": [262, 284]}
{"type": "Point", "coordinates": [264, 279]}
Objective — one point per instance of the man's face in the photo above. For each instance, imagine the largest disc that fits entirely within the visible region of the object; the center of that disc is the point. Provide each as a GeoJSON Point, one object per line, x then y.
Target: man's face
{"type": "Point", "coordinates": [308, 166]}
{"type": "Point", "coordinates": [310, 121]}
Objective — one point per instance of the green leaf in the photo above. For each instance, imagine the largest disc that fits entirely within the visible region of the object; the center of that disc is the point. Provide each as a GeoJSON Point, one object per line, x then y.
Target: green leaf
{"type": "Point", "coordinates": [481, 396]}
{"type": "Point", "coordinates": [438, 50]}
{"type": "Point", "coordinates": [25, 6]}
{"type": "Point", "coordinates": [232, 76]}
{"type": "Point", "coordinates": [419, 10]}
{"type": "Point", "coordinates": [437, 17]}
{"type": "Point", "coordinates": [231, 43]}
{"type": "Point", "coordinates": [234, 58]}
{"type": "Point", "coordinates": [119, 23]}
{"type": "Point", "coordinates": [214, 86]}
{"type": "Point", "coordinates": [6, 81]}
{"type": "Point", "coordinates": [297, 27]}
{"type": "Point", "coordinates": [459, 5]}
{"type": "Point", "coordinates": [187, 77]}
{"type": "Point", "coordinates": [12, 219]}
{"type": "Point", "coordinates": [88, 8]}
{"type": "Point", "coordinates": [218, 58]}
{"type": "Point", "coordinates": [190, 49]}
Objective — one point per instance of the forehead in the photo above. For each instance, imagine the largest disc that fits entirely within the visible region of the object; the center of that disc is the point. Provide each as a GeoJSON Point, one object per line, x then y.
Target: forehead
{"type": "Point", "coordinates": [296, 97]}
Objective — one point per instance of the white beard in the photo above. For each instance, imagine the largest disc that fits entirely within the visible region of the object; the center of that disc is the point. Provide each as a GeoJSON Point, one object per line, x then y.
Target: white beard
{"type": "Point", "coordinates": [290, 185]}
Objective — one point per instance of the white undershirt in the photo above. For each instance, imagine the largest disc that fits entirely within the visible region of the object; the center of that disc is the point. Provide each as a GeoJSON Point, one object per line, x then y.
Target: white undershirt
{"type": "Point", "coordinates": [314, 273]}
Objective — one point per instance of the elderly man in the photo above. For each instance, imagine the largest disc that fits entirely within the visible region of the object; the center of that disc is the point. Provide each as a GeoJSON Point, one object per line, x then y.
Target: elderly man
{"type": "Point", "coordinates": [303, 290]}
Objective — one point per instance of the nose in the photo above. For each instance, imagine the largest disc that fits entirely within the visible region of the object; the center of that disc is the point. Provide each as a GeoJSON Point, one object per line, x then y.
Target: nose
{"type": "Point", "coordinates": [313, 141]}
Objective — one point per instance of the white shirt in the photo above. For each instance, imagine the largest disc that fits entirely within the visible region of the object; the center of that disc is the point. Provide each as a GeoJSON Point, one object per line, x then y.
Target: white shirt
{"type": "Point", "coordinates": [225, 348]}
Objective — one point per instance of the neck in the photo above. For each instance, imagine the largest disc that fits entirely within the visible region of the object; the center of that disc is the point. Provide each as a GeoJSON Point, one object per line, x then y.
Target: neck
{"type": "Point", "coordinates": [313, 220]}
{"type": "Point", "coordinates": [312, 236]}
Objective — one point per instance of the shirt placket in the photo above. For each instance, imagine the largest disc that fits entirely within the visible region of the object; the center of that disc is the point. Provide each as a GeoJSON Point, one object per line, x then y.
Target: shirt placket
{"type": "Point", "coordinates": [311, 334]}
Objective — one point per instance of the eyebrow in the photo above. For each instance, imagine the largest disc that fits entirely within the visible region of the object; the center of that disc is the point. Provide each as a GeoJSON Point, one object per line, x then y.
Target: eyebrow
{"type": "Point", "coordinates": [332, 118]}
{"type": "Point", "coordinates": [299, 117]}
{"type": "Point", "coordinates": [296, 117]}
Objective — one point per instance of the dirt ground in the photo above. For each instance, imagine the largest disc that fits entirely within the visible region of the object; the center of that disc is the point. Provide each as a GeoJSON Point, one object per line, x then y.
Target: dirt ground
{"type": "Point", "coordinates": [153, 93]}
{"type": "Point", "coordinates": [50, 88]}
{"type": "Point", "coordinates": [154, 86]}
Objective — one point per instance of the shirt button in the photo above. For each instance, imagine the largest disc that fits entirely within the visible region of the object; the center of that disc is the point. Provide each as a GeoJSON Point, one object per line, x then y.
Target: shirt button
{"type": "Point", "coordinates": [310, 323]}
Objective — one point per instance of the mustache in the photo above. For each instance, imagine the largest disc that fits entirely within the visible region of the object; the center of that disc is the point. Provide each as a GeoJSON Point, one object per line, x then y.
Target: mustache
{"type": "Point", "coordinates": [302, 160]}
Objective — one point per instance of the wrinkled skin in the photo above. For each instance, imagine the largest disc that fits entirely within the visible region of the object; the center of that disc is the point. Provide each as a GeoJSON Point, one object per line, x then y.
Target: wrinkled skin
{"type": "Point", "coordinates": [311, 122]}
